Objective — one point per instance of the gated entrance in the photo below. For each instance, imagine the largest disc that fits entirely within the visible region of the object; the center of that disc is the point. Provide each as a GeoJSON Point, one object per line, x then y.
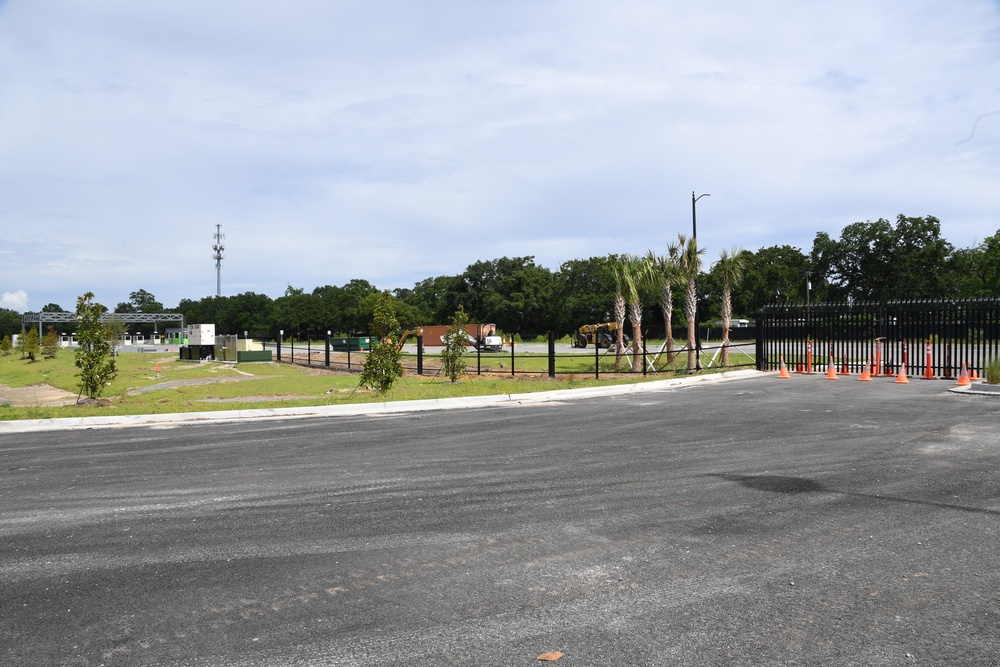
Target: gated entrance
{"type": "Point", "coordinates": [933, 338]}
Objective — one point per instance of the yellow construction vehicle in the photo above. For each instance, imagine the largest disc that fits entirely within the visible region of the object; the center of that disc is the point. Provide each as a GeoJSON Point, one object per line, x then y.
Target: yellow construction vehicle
{"type": "Point", "coordinates": [406, 334]}
{"type": "Point", "coordinates": [604, 335]}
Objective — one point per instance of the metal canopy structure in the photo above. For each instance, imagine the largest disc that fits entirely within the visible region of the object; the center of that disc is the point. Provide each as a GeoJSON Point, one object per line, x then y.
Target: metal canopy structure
{"type": "Point", "coordinates": [128, 318]}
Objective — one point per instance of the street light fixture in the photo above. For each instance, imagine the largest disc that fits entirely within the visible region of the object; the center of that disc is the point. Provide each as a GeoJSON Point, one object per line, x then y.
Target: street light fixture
{"type": "Point", "coordinates": [694, 216]}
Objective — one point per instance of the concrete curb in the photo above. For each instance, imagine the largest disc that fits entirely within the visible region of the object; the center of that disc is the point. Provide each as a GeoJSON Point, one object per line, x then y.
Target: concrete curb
{"type": "Point", "coordinates": [979, 389]}
{"type": "Point", "coordinates": [399, 407]}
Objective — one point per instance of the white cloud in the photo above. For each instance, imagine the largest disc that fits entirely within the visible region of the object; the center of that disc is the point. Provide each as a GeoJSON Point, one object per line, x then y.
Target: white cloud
{"type": "Point", "coordinates": [387, 140]}
{"type": "Point", "coordinates": [17, 301]}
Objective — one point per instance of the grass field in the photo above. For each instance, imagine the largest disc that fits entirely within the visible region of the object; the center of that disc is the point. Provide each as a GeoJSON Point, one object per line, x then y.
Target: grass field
{"type": "Point", "coordinates": [182, 386]}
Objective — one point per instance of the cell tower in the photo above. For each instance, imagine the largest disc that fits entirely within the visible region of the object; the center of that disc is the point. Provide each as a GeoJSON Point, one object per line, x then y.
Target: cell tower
{"type": "Point", "coordinates": [218, 248]}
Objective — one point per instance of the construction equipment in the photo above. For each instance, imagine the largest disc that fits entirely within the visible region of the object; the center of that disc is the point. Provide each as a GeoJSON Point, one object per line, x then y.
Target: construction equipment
{"type": "Point", "coordinates": [604, 335]}
{"type": "Point", "coordinates": [483, 337]}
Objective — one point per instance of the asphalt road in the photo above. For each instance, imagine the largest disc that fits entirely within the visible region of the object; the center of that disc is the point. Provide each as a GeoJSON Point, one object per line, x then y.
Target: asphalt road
{"type": "Point", "coordinates": [753, 522]}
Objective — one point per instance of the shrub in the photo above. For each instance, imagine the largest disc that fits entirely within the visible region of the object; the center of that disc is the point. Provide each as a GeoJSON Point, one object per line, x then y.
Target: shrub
{"type": "Point", "coordinates": [993, 372]}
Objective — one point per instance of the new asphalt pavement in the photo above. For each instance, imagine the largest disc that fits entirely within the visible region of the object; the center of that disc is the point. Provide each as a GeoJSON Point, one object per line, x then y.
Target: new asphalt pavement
{"type": "Point", "coordinates": [747, 521]}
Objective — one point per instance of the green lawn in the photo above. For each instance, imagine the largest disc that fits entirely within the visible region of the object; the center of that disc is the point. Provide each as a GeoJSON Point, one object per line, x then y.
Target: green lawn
{"type": "Point", "coordinates": [191, 387]}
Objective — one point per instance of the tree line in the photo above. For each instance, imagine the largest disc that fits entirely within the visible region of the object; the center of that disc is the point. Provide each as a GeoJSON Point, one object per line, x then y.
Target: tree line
{"type": "Point", "coordinates": [873, 260]}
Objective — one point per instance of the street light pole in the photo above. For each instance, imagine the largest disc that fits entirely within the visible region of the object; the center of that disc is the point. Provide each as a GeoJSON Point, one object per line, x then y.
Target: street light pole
{"type": "Point", "coordinates": [694, 214]}
{"type": "Point", "coordinates": [693, 279]}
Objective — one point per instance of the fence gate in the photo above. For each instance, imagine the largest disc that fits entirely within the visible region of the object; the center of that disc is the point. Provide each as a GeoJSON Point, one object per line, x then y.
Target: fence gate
{"type": "Point", "coordinates": [933, 338]}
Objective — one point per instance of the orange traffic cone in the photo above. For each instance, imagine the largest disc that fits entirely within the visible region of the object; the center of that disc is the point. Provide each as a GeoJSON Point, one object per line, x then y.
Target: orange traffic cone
{"type": "Point", "coordinates": [157, 370]}
{"type": "Point", "coordinates": [974, 375]}
{"type": "Point", "coordinates": [831, 371]}
{"type": "Point", "coordinates": [843, 369]}
{"type": "Point", "coordinates": [783, 370]}
{"type": "Point", "coordinates": [901, 376]}
{"type": "Point", "coordinates": [866, 375]}
{"type": "Point", "coordinates": [963, 378]}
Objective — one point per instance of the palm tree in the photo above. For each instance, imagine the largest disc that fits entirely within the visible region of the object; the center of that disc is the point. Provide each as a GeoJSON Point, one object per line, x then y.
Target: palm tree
{"type": "Point", "coordinates": [633, 279]}
{"type": "Point", "coordinates": [663, 273]}
{"type": "Point", "coordinates": [689, 265]}
{"type": "Point", "coordinates": [730, 268]}
{"type": "Point", "coordinates": [618, 308]}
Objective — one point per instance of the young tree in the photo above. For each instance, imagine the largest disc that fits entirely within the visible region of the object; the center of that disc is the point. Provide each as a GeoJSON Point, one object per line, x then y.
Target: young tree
{"type": "Point", "coordinates": [618, 308]}
{"type": "Point", "coordinates": [27, 344]}
{"type": "Point", "coordinates": [455, 341]}
{"type": "Point", "coordinates": [383, 365]}
{"type": "Point", "coordinates": [665, 271]}
{"type": "Point", "coordinates": [114, 332]}
{"type": "Point", "coordinates": [730, 267]}
{"type": "Point", "coordinates": [633, 279]}
{"type": "Point", "coordinates": [6, 346]}
{"type": "Point", "coordinates": [94, 355]}
{"type": "Point", "coordinates": [690, 266]}
{"type": "Point", "coordinates": [50, 344]}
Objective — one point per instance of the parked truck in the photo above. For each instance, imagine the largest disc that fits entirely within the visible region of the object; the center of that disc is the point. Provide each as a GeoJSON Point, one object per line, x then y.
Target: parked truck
{"type": "Point", "coordinates": [604, 334]}
{"type": "Point", "coordinates": [483, 337]}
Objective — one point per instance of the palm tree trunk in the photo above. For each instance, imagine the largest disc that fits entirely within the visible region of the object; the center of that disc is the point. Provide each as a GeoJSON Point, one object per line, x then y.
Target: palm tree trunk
{"type": "Point", "coordinates": [727, 314]}
{"type": "Point", "coordinates": [619, 311]}
{"type": "Point", "coordinates": [667, 304]}
{"type": "Point", "coordinates": [690, 304]}
{"type": "Point", "coordinates": [635, 314]}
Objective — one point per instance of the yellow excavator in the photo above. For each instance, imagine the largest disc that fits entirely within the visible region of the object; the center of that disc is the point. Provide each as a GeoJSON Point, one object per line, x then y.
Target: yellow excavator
{"type": "Point", "coordinates": [599, 335]}
{"type": "Point", "coordinates": [409, 333]}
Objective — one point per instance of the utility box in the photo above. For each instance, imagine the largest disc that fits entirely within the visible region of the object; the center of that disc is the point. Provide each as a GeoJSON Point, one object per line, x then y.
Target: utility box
{"type": "Point", "coordinates": [200, 334]}
{"type": "Point", "coordinates": [252, 356]}
{"type": "Point", "coordinates": [352, 343]}
{"type": "Point", "coordinates": [249, 345]}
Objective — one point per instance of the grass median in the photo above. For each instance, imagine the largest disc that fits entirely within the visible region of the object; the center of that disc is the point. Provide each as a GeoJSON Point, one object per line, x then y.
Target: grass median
{"type": "Point", "coordinates": [158, 383]}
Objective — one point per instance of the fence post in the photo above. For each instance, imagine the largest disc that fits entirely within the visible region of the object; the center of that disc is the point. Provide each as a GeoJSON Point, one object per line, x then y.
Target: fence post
{"type": "Point", "coordinates": [281, 334]}
{"type": "Point", "coordinates": [552, 354]}
{"type": "Point", "coordinates": [597, 360]}
{"type": "Point", "coordinates": [420, 355]}
{"type": "Point", "coordinates": [643, 354]}
{"type": "Point", "coordinates": [759, 343]}
{"type": "Point", "coordinates": [327, 349]}
{"type": "Point", "coordinates": [512, 355]}
{"type": "Point", "coordinates": [697, 347]}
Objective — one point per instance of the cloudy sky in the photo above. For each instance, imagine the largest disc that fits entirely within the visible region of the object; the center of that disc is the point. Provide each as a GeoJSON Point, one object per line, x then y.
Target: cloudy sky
{"type": "Point", "coordinates": [395, 141]}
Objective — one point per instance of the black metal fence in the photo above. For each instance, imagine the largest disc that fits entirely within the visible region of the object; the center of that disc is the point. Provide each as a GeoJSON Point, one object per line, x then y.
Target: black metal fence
{"type": "Point", "coordinates": [933, 338]}
{"type": "Point", "coordinates": [533, 358]}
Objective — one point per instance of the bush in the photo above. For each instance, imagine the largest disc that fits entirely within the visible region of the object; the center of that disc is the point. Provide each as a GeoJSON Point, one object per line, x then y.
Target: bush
{"type": "Point", "coordinates": [993, 372]}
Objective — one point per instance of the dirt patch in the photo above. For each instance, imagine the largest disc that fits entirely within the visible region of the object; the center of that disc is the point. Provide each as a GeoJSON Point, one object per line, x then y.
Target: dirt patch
{"type": "Point", "coordinates": [36, 395]}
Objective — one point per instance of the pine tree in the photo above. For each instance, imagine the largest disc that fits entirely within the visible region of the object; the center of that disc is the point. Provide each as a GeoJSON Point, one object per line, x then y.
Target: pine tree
{"type": "Point", "coordinates": [27, 344]}
{"type": "Point", "coordinates": [50, 344]}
